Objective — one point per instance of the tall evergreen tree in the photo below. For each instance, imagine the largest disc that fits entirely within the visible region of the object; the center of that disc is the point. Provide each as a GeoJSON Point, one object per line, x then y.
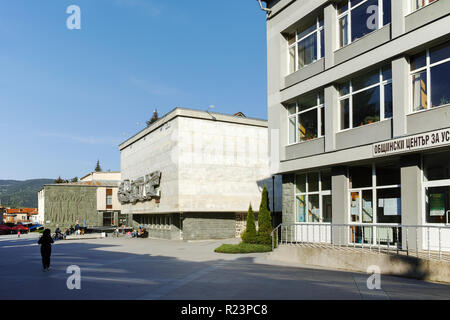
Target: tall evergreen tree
{"type": "Point", "coordinates": [59, 180]}
{"type": "Point", "coordinates": [154, 118]}
{"type": "Point", "coordinates": [97, 167]}
{"type": "Point", "coordinates": [249, 234]}
{"type": "Point", "coordinates": [264, 219]}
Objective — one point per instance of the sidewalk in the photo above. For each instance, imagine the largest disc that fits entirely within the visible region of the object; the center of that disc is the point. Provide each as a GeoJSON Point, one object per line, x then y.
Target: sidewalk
{"type": "Point", "coordinates": [33, 235]}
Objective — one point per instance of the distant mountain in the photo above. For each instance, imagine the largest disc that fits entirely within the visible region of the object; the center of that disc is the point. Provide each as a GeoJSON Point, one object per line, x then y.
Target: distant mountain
{"type": "Point", "coordinates": [21, 194]}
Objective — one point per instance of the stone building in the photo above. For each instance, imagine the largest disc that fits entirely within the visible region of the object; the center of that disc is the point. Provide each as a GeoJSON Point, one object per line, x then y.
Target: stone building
{"type": "Point", "coordinates": [193, 174]}
{"type": "Point", "coordinates": [358, 92]}
{"type": "Point", "coordinates": [92, 202]}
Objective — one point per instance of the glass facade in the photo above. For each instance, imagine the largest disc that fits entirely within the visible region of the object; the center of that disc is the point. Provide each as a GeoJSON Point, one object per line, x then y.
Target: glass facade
{"type": "Point", "coordinates": [365, 96]}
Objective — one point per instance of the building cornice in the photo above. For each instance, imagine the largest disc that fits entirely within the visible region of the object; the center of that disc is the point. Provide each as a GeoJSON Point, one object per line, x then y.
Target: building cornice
{"type": "Point", "coordinates": [194, 114]}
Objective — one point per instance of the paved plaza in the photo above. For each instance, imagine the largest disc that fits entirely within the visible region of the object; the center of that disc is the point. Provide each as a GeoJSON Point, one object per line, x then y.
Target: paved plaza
{"type": "Point", "coordinates": [125, 268]}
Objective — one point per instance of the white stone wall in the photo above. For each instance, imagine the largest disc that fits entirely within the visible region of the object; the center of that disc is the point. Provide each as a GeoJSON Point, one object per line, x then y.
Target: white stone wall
{"type": "Point", "coordinates": [222, 166]}
{"type": "Point", "coordinates": [206, 166]}
{"type": "Point", "coordinates": [41, 207]}
{"type": "Point", "coordinates": [101, 199]}
{"type": "Point", "coordinates": [102, 176]}
{"type": "Point", "coordinates": [156, 151]}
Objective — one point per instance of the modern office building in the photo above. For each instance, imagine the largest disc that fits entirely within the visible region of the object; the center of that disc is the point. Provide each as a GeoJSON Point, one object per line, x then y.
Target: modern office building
{"type": "Point", "coordinates": [192, 175]}
{"type": "Point", "coordinates": [92, 202]}
{"type": "Point", "coordinates": [359, 117]}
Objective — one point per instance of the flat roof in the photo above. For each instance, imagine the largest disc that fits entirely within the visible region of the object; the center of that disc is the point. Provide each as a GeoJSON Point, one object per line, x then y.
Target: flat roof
{"type": "Point", "coordinates": [98, 172]}
{"type": "Point", "coordinates": [197, 114]}
{"type": "Point", "coordinates": [97, 183]}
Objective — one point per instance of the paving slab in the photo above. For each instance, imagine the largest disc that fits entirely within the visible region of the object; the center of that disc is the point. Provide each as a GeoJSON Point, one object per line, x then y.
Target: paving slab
{"type": "Point", "coordinates": [128, 268]}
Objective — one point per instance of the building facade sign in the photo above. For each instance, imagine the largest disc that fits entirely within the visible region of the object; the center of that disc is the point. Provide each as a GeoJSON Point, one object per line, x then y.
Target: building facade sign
{"type": "Point", "coordinates": [142, 189]}
{"type": "Point", "coordinates": [431, 139]}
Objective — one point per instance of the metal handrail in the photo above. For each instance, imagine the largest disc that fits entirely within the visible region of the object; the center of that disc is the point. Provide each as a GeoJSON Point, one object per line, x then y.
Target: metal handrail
{"type": "Point", "coordinates": [399, 238]}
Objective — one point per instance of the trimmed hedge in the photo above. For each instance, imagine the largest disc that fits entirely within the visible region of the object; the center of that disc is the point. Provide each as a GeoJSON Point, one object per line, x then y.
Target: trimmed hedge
{"type": "Point", "coordinates": [243, 248]}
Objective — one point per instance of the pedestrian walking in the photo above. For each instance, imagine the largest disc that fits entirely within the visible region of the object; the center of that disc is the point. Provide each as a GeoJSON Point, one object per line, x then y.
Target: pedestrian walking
{"type": "Point", "coordinates": [18, 234]}
{"type": "Point", "coordinates": [46, 249]}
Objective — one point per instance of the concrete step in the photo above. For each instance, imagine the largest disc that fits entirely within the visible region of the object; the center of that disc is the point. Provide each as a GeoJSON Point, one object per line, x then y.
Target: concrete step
{"type": "Point", "coordinates": [360, 260]}
{"type": "Point", "coordinates": [86, 236]}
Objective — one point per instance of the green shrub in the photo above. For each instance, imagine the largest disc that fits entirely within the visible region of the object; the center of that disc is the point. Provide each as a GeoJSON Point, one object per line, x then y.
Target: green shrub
{"type": "Point", "coordinates": [264, 220]}
{"type": "Point", "coordinates": [249, 234]}
{"type": "Point", "coordinates": [243, 248]}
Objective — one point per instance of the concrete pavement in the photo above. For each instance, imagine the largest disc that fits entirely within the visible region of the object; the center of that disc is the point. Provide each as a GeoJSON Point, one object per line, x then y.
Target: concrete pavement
{"type": "Point", "coordinates": [125, 268]}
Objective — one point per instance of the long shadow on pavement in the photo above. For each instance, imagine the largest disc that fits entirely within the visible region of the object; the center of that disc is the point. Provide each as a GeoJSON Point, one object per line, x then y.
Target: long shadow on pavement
{"type": "Point", "coordinates": [106, 274]}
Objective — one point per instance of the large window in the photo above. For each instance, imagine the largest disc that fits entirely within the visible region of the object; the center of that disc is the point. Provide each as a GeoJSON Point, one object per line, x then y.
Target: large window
{"type": "Point", "coordinates": [357, 18]}
{"type": "Point", "coordinates": [366, 99]}
{"type": "Point", "coordinates": [375, 197]}
{"type": "Point", "coordinates": [437, 187]}
{"type": "Point", "coordinates": [306, 45]}
{"type": "Point", "coordinates": [418, 4]}
{"type": "Point", "coordinates": [306, 118]}
{"type": "Point", "coordinates": [313, 197]}
{"type": "Point", "coordinates": [375, 193]}
{"type": "Point", "coordinates": [108, 198]}
{"type": "Point", "coordinates": [430, 78]}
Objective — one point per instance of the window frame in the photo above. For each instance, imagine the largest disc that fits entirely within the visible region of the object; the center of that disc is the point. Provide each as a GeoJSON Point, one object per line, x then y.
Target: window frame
{"type": "Point", "coordinates": [349, 21]}
{"type": "Point", "coordinates": [426, 68]}
{"type": "Point", "coordinates": [318, 30]}
{"type": "Point", "coordinates": [374, 187]}
{"type": "Point", "coordinates": [427, 3]}
{"type": "Point", "coordinates": [321, 193]}
{"type": "Point", "coordinates": [320, 105]}
{"type": "Point", "coordinates": [381, 82]}
{"type": "Point", "coordinates": [426, 184]}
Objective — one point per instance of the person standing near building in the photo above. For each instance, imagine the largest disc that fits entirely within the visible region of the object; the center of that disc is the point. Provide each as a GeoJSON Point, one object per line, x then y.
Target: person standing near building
{"type": "Point", "coordinates": [18, 234]}
{"type": "Point", "coordinates": [46, 249]}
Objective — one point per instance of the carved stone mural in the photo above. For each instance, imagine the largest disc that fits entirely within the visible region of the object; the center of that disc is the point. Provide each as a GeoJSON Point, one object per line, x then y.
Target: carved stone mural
{"type": "Point", "coordinates": [64, 205]}
{"type": "Point", "coordinates": [142, 189]}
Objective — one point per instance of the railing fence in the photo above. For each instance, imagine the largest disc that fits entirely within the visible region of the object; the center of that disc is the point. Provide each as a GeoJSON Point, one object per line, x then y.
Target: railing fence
{"type": "Point", "coordinates": [422, 240]}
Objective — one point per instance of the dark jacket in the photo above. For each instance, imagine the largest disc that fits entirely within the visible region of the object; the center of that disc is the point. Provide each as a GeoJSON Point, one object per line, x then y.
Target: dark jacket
{"type": "Point", "coordinates": [46, 243]}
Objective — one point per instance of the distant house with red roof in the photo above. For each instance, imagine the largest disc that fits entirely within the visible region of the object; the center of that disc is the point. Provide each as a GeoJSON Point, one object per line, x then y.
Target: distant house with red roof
{"type": "Point", "coordinates": [22, 215]}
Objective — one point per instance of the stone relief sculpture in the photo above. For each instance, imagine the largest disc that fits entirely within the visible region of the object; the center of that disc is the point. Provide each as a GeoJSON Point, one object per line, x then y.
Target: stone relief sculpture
{"type": "Point", "coordinates": [65, 206]}
{"type": "Point", "coordinates": [142, 189]}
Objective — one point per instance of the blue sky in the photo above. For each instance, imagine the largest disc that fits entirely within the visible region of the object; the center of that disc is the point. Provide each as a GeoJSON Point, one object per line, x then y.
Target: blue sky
{"type": "Point", "coordinates": [69, 97]}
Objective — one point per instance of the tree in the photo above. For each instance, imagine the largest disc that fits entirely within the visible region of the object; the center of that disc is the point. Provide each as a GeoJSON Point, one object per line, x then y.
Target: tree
{"type": "Point", "coordinates": [74, 179]}
{"type": "Point", "coordinates": [249, 234]}
{"type": "Point", "coordinates": [264, 220]}
{"type": "Point", "coordinates": [97, 167]}
{"type": "Point", "coordinates": [154, 118]}
{"type": "Point", "coordinates": [59, 180]}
